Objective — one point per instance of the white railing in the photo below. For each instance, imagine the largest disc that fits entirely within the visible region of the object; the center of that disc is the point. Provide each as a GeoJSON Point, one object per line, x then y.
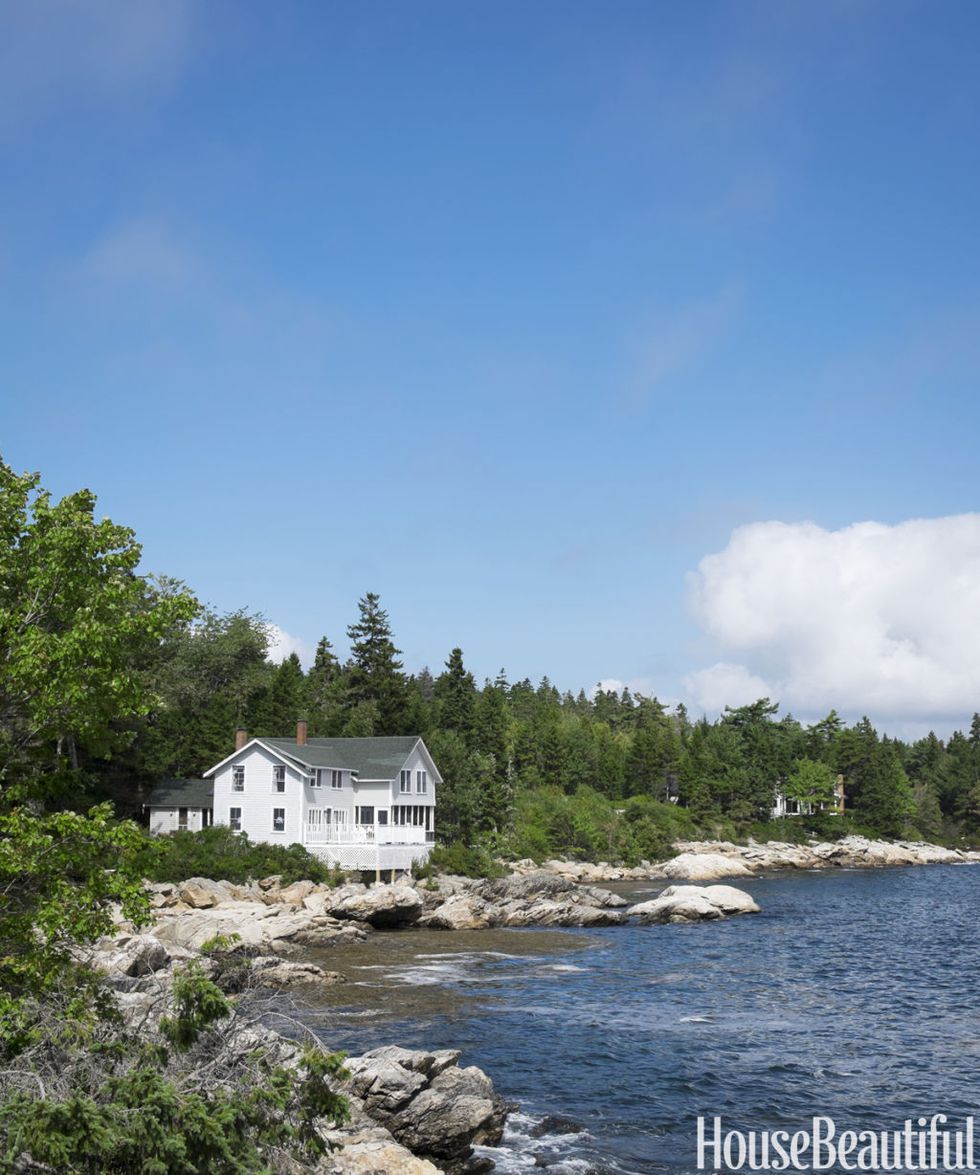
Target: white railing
{"type": "Point", "coordinates": [364, 834]}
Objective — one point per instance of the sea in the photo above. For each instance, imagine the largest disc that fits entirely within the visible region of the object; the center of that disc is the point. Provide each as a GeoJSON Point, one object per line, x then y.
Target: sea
{"type": "Point", "coordinates": [854, 995]}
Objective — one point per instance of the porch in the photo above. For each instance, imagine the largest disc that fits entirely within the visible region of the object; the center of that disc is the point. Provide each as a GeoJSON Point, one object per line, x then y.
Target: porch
{"type": "Point", "coordinates": [367, 834]}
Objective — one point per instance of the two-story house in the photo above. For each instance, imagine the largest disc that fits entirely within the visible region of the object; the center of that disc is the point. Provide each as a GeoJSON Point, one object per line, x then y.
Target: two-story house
{"type": "Point", "coordinates": [360, 803]}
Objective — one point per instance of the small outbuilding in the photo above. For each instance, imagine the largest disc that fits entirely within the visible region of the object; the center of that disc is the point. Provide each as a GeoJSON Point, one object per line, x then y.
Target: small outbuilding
{"type": "Point", "coordinates": [181, 805]}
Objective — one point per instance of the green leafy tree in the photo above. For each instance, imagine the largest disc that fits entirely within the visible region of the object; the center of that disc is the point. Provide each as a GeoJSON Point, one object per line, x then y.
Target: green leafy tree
{"type": "Point", "coordinates": [77, 625]}
{"type": "Point", "coordinates": [811, 784]}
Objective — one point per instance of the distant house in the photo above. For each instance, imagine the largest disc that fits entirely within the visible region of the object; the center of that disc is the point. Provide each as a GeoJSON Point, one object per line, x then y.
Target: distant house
{"type": "Point", "coordinates": [359, 803]}
{"type": "Point", "coordinates": [181, 804]}
{"type": "Point", "coordinates": [786, 806]}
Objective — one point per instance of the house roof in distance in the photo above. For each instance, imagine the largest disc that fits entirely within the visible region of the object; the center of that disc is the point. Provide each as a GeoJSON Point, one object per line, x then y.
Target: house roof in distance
{"type": "Point", "coordinates": [182, 793]}
{"type": "Point", "coordinates": [369, 758]}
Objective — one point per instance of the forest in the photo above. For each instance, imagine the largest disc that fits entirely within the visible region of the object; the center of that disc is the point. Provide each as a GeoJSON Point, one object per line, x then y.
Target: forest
{"type": "Point", "coordinates": [529, 769]}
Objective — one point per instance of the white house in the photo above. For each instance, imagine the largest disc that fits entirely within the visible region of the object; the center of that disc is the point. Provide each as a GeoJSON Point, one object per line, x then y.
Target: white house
{"type": "Point", "coordinates": [179, 804]}
{"type": "Point", "coordinates": [784, 805]}
{"type": "Point", "coordinates": [360, 803]}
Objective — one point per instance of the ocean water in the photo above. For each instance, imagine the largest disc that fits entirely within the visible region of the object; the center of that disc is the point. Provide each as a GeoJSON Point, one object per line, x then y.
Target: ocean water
{"type": "Point", "coordinates": [854, 994]}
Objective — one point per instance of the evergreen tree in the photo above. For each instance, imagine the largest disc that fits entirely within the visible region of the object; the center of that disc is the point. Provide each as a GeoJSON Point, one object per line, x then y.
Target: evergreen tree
{"type": "Point", "coordinates": [325, 693]}
{"type": "Point", "coordinates": [284, 701]}
{"type": "Point", "coordinates": [374, 673]}
{"type": "Point", "coordinates": [455, 695]}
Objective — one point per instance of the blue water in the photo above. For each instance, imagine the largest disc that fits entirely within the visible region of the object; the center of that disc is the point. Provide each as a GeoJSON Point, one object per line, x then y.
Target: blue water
{"type": "Point", "coordinates": [853, 994]}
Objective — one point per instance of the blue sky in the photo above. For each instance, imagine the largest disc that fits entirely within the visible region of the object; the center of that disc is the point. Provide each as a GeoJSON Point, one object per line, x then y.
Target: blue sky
{"type": "Point", "coordinates": [515, 313]}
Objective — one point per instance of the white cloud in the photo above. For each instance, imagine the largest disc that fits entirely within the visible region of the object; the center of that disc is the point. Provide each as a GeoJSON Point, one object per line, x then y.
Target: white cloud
{"type": "Point", "coordinates": [869, 619]}
{"type": "Point", "coordinates": [282, 644]}
{"type": "Point", "coordinates": [724, 684]}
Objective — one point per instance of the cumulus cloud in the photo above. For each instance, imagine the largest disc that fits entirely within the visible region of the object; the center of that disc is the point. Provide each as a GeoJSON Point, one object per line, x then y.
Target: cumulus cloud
{"type": "Point", "coordinates": [636, 685]}
{"type": "Point", "coordinates": [282, 644]}
{"type": "Point", "coordinates": [869, 619]}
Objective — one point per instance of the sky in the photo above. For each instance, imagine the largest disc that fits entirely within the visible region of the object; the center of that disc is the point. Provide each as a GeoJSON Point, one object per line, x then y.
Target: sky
{"type": "Point", "coordinates": [634, 343]}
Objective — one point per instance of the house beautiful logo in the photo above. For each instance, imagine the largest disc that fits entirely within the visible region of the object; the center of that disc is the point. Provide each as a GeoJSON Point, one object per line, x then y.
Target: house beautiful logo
{"type": "Point", "coordinates": [923, 1144]}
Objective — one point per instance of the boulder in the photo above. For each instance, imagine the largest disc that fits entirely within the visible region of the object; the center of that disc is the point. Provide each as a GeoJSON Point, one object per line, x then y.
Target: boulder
{"type": "Point", "coordinates": [370, 1150]}
{"type": "Point", "coordinates": [728, 899]}
{"type": "Point", "coordinates": [295, 893]}
{"type": "Point", "coordinates": [272, 928]}
{"type": "Point", "coordinates": [135, 955]}
{"type": "Point", "coordinates": [461, 912]}
{"type": "Point", "coordinates": [694, 903]}
{"type": "Point", "coordinates": [201, 893]}
{"type": "Point", "coordinates": [429, 1104]}
{"type": "Point", "coordinates": [271, 971]}
{"type": "Point", "coordinates": [704, 867]}
{"type": "Point", "coordinates": [548, 913]}
{"type": "Point", "coordinates": [381, 905]}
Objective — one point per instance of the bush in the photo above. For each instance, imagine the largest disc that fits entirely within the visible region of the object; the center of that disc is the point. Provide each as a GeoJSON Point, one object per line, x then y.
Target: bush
{"type": "Point", "coordinates": [466, 860]}
{"type": "Point", "coordinates": [589, 826]}
{"type": "Point", "coordinates": [223, 855]}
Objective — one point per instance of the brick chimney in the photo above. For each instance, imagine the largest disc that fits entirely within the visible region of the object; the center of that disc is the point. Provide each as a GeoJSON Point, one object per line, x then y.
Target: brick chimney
{"type": "Point", "coordinates": [241, 738]}
{"type": "Point", "coordinates": [301, 733]}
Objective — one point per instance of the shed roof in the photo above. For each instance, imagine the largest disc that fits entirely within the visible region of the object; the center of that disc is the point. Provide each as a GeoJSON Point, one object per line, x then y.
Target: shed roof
{"type": "Point", "coordinates": [182, 793]}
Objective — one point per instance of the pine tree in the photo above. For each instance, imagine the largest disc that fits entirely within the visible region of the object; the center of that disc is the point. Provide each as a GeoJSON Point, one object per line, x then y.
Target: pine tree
{"type": "Point", "coordinates": [455, 695]}
{"type": "Point", "coordinates": [325, 692]}
{"type": "Point", "coordinates": [284, 702]}
{"type": "Point", "coordinates": [374, 673]}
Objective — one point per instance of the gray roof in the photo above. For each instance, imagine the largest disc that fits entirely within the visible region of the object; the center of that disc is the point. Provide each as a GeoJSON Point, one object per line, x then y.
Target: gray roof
{"type": "Point", "coordinates": [182, 793]}
{"type": "Point", "coordinates": [369, 758]}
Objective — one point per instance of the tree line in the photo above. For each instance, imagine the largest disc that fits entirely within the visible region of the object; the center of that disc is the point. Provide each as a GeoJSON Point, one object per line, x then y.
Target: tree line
{"type": "Point", "coordinates": [500, 741]}
{"type": "Point", "coordinates": [113, 681]}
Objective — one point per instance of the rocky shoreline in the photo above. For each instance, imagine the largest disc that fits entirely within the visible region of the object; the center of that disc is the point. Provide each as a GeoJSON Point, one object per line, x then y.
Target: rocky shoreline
{"type": "Point", "coordinates": [415, 1111]}
{"type": "Point", "coordinates": [713, 860]}
{"type": "Point", "coordinates": [412, 1111]}
{"type": "Point", "coordinates": [280, 921]}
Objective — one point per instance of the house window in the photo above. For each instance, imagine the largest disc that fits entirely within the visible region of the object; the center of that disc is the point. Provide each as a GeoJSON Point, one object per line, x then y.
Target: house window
{"type": "Point", "coordinates": [364, 814]}
{"type": "Point", "coordinates": [278, 819]}
{"type": "Point", "coordinates": [405, 782]}
{"type": "Point", "coordinates": [235, 819]}
{"type": "Point", "coordinates": [316, 779]}
{"type": "Point", "coordinates": [339, 817]}
{"type": "Point", "coordinates": [181, 817]}
{"type": "Point", "coordinates": [382, 816]}
{"type": "Point", "coordinates": [279, 778]}
{"type": "Point", "coordinates": [238, 777]}
{"type": "Point", "coordinates": [336, 779]}
{"type": "Point", "coordinates": [421, 782]}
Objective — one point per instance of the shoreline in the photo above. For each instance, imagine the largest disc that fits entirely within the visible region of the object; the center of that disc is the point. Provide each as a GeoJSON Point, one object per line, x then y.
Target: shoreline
{"type": "Point", "coordinates": [416, 1110]}
{"type": "Point", "coordinates": [714, 860]}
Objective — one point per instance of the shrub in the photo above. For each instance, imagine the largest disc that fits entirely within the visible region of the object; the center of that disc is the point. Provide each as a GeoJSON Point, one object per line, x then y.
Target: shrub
{"type": "Point", "coordinates": [467, 860]}
{"type": "Point", "coordinates": [223, 855]}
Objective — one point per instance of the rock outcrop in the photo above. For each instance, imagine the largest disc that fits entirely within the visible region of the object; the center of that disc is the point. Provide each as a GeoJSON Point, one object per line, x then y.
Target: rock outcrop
{"type": "Point", "coordinates": [412, 1112]}
{"type": "Point", "coordinates": [713, 860]}
{"type": "Point", "coordinates": [532, 899]}
{"type": "Point", "coordinates": [694, 903]}
{"type": "Point", "coordinates": [430, 1105]}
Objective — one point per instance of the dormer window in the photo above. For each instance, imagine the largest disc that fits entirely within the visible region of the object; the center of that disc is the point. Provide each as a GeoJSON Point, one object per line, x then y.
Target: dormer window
{"type": "Point", "coordinates": [405, 782]}
{"type": "Point", "coordinates": [316, 779]}
{"type": "Point", "coordinates": [279, 778]}
{"type": "Point", "coordinates": [421, 782]}
{"type": "Point", "coordinates": [336, 780]}
{"type": "Point", "coordinates": [238, 777]}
